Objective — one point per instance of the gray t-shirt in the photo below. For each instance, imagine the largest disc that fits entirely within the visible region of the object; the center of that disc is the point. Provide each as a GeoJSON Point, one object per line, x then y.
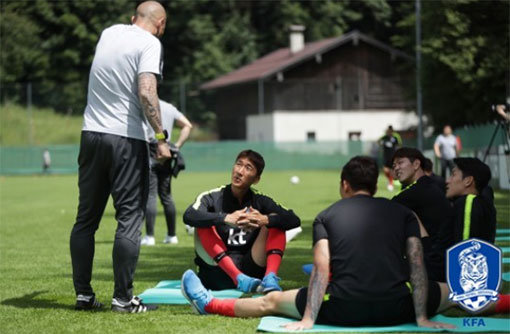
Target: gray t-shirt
{"type": "Point", "coordinates": [122, 53]}
{"type": "Point", "coordinates": [447, 146]}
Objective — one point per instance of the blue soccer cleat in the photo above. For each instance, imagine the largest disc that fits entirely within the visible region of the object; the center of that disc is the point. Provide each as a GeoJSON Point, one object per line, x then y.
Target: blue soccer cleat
{"type": "Point", "coordinates": [246, 283]}
{"type": "Point", "coordinates": [197, 295]}
{"type": "Point", "coordinates": [269, 283]}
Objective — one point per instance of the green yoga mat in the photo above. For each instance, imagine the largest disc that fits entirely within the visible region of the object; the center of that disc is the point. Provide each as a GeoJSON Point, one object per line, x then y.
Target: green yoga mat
{"type": "Point", "coordinates": [465, 325]}
{"type": "Point", "coordinates": [169, 292]}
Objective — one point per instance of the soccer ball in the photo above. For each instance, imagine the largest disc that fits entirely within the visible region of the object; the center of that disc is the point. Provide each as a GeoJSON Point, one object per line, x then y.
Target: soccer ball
{"type": "Point", "coordinates": [294, 179]}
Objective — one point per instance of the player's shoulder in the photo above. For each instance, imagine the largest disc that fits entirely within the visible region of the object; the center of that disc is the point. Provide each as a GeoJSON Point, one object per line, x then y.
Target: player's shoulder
{"type": "Point", "coordinates": [212, 191]}
{"type": "Point", "coordinates": [261, 195]}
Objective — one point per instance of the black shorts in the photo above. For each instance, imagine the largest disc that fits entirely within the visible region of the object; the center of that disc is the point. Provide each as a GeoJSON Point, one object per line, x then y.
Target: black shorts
{"type": "Point", "coordinates": [388, 160]}
{"type": "Point", "coordinates": [338, 312]}
{"type": "Point", "coordinates": [214, 278]}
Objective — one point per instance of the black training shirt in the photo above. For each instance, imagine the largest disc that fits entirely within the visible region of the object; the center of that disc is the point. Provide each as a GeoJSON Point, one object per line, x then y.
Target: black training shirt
{"type": "Point", "coordinates": [367, 243]}
{"type": "Point", "coordinates": [211, 207]}
{"type": "Point", "coordinates": [436, 215]}
{"type": "Point", "coordinates": [481, 220]}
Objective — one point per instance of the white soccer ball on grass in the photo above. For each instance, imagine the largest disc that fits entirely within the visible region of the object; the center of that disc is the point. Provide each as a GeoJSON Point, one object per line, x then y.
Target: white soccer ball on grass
{"type": "Point", "coordinates": [294, 179]}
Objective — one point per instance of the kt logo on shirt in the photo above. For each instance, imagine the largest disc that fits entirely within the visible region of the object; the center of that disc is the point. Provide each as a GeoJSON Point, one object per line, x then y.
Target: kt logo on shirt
{"type": "Point", "coordinates": [473, 274]}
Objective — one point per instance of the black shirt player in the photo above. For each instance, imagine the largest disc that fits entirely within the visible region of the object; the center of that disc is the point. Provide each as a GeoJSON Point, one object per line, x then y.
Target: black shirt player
{"type": "Point", "coordinates": [473, 200]}
{"type": "Point", "coordinates": [421, 195]}
{"type": "Point", "coordinates": [389, 143]}
{"type": "Point", "coordinates": [239, 232]}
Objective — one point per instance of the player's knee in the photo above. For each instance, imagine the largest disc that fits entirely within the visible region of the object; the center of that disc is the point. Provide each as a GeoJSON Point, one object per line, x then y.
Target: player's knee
{"type": "Point", "coordinates": [270, 301]}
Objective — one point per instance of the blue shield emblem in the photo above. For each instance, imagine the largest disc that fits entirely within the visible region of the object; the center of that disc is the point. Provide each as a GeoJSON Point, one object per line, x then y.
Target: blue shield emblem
{"type": "Point", "coordinates": [473, 273]}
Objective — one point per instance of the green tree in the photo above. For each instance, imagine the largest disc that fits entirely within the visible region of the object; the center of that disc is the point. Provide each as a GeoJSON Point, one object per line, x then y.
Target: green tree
{"type": "Point", "coordinates": [465, 47]}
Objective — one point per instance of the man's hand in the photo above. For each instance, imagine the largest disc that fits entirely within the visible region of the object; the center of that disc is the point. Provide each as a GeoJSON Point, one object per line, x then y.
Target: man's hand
{"type": "Point", "coordinates": [163, 152]}
{"type": "Point", "coordinates": [424, 322]}
{"type": "Point", "coordinates": [236, 218]}
{"type": "Point", "coordinates": [256, 219]}
{"type": "Point", "coordinates": [299, 325]}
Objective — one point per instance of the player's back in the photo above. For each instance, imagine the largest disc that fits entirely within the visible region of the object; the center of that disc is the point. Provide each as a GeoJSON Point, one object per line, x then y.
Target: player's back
{"type": "Point", "coordinates": [367, 238]}
{"type": "Point", "coordinates": [112, 102]}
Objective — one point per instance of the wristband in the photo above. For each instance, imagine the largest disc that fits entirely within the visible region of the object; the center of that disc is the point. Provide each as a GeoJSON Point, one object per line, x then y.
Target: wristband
{"type": "Point", "coordinates": [162, 135]}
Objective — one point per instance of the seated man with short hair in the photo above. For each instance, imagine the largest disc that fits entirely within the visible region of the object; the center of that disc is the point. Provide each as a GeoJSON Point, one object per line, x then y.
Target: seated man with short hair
{"type": "Point", "coordinates": [240, 232]}
{"type": "Point", "coordinates": [360, 272]}
{"type": "Point", "coordinates": [473, 200]}
{"type": "Point", "coordinates": [421, 195]}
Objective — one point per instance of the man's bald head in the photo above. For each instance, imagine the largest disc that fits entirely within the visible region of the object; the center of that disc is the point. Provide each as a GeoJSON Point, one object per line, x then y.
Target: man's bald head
{"type": "Point", "coordinates": [151, 16]}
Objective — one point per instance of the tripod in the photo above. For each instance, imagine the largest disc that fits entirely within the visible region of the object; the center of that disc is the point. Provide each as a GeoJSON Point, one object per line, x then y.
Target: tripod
{"type": "Point", "coordinates": [505, 132]}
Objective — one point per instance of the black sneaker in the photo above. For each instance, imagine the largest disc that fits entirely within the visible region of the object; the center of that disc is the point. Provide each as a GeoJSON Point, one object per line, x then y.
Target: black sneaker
{"type": "Point", "coordinates": [133, 306]}
{"type": "Point", "coordinates": [87, 303]}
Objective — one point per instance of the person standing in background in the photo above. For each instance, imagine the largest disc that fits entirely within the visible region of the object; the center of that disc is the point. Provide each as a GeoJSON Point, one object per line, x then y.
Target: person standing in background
{"type": "Point", "coordinates": [114, 158]}
{"type": "Point", "coordinates": [46, 161]}
{"type": "Point", "coordinates": [160, 175]}
{"type": "Point", "coordinates": [446, 149]}
{"type": "Point", "coordinates": [389, 143]}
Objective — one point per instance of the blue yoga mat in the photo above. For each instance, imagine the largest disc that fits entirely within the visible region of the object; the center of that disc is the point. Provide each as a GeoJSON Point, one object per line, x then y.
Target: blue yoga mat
{"type": "Point", "coordinates": [169, 292]}
{"type": "Point", "coordinates": [273, 324]}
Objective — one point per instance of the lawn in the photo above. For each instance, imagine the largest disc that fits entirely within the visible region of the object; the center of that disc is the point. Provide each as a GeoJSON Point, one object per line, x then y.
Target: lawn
{"type": "Point", "coordinates": [36, 216]}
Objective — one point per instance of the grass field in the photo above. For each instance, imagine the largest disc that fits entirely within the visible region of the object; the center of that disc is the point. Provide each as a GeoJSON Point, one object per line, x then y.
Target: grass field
{"type": "Point", "coordinates": [36, 216]}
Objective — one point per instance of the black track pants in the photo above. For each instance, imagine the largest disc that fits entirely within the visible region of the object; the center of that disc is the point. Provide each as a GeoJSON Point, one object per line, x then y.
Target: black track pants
{"type": "Point", "coordinates": [110, 164]}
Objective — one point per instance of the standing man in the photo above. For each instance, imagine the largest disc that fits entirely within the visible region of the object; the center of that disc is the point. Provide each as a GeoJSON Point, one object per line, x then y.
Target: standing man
{"type": "Point", "coordinates": [113, 158]}
{"type": "Point", "coordinates": [446, 149]}
{"type": "Point", "coordinates": [421, 195]}
{"type": "Point", "coordinates": [389, 142]}
{"type": "Point", "coordinates": [160, 175]}
{"type": "Point", "coordinates": [240, 232]}
{"type": "Point", "coordinates": [360, 273]}
{"type": "Point", "coordinates": [473, 200]}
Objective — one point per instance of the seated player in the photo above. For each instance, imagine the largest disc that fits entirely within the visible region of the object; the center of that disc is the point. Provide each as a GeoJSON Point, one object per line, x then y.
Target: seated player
{"type": "Point", "coordinates": [473, 200]}
{"type": "Point", "coordinates": [239, 232]}
{"type": "Point", "coordinates": [421, 195]}
{"type": "Point", "coordinates": [360, 273]}
{"type": "Point", "coordinates": [438, 180]}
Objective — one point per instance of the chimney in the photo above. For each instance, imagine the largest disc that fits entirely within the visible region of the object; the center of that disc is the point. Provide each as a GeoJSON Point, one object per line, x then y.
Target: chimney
{"type": "Point", "coordinates": [297, 39]}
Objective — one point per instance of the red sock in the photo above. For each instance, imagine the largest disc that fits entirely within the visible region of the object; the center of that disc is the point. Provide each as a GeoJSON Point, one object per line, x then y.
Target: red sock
{"type": "Point", "coordinates": [221, 306]}
{"type": "Point", "coordinates": [215, 248]}
{"type": "Point", "coordinates": [388, 175]}
{"type": "Point", "coordinates": [503, 304]}
{"type": "Point", "coordinates": [275, 245]}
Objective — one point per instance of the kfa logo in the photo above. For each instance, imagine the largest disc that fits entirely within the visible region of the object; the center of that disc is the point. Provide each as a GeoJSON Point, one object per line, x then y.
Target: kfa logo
{"type": "Point", "coordinates": [474, 274]}
{"type": "Point", "coordinates": [236, 237]}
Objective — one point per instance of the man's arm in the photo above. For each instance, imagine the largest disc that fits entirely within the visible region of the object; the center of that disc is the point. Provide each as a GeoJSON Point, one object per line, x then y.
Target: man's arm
{"type": "Point", "coordinates": [148, 96]}
{"type": "Point", "coordinates": [317, 286]}
{"type": "Point", "coordinates": [419, 280]}
{"type": "Point", "coordinates": [186, 127]}
{"type": "Point", "coordinates": [198, 214]}
{"type": "Point", "coordinates": [277, 215]}
{"type": "Point", "coordinates": [436, 150]}
{"type": "Point", "coordinates": [419, 283]}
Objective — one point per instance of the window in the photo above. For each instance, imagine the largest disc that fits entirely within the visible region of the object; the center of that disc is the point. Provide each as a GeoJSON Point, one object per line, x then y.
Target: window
{"type": "Point", "coordinates": [310, 136]}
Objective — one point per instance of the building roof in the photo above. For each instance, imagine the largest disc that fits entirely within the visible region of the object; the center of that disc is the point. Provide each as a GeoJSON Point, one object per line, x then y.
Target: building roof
{"type": "Point", "coordinates": [282, 59]}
